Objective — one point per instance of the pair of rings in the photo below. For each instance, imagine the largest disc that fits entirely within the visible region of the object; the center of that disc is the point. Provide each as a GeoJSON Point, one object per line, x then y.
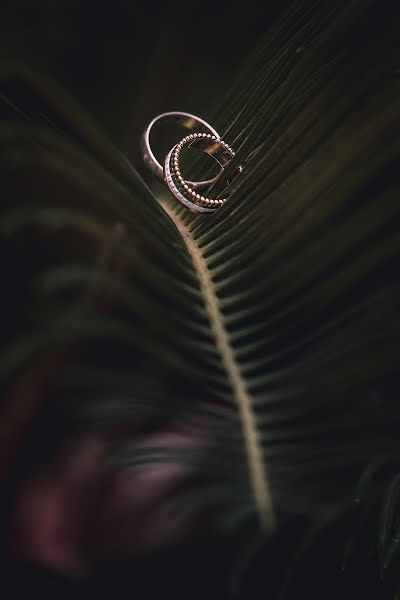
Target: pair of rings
{"type": "Point", "coordinates": [209, 142]}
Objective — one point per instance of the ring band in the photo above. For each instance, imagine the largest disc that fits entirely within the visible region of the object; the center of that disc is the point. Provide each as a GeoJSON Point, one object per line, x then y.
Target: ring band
{"type": "Point", "coordinates": [186, 120]}
{"type": "Point", "coordinates": [181, 189]}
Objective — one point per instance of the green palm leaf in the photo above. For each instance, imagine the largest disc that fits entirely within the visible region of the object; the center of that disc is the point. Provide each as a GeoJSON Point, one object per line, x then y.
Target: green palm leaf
{"type": "Point", "coordinates": [271, 327]}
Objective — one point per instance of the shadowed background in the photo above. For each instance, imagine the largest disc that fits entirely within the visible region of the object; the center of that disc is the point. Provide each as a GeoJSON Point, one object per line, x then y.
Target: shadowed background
{"type": "Point", "coordinates": [124, 63]}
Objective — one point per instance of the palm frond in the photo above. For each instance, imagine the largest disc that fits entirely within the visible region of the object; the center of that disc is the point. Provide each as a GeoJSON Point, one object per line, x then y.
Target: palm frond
{"type": "Point", "coordinates": [272, 326]}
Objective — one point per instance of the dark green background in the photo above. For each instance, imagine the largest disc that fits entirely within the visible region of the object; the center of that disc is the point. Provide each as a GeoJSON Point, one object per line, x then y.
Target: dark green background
{"type": "Point", "coordinates": [127, 61]}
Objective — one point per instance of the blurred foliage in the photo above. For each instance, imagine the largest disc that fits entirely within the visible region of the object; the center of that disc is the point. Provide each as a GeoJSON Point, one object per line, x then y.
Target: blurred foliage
{"type": "Point", "coordinates": [266, 335]}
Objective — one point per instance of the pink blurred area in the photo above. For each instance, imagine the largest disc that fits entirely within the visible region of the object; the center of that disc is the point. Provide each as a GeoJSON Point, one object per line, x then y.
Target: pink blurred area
{"type": "Point", "coordinates": [75, 512]}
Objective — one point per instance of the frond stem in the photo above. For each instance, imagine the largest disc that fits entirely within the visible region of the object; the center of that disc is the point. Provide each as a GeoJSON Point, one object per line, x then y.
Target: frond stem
{"type": "Point", "coordinates": [257, 467]}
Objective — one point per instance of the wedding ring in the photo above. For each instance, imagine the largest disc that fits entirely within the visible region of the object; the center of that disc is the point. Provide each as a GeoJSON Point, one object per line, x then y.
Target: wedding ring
{"type": "Point", "coordinates": [182, 190]}
{"type": "Point", "coordinates": [188, 121]}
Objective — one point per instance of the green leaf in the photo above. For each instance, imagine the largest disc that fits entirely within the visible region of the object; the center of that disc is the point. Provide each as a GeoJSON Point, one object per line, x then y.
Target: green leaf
{"type": "Point", "coordinates": [274, 321]}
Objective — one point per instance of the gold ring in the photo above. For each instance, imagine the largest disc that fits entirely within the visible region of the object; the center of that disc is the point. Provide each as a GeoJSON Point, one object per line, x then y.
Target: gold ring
{"type": "Point", "coordinates": [184, 191]}
{"type": "Point", "coordinates": [188, 121]}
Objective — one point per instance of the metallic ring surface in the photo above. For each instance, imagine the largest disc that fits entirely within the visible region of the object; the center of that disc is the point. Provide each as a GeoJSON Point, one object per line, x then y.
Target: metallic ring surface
{"type": "Point", "coordinates": [181, 189]}
{"type": "Point", "coordinates": [188, 121]}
